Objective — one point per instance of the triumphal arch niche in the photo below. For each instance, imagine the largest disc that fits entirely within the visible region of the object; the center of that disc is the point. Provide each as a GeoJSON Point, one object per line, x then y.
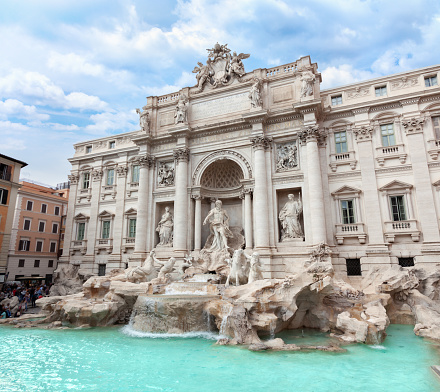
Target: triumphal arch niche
{"type": "Point", "coordinates": [248, 139]}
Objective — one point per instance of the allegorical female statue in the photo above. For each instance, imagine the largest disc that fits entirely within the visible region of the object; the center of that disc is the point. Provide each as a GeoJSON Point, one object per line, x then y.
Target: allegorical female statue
{"type": "Point", "coordinates": [254, 94]}
{"type": "Point", "coordinates": [289, 218]}
{"type": "Point", "coordinates": [165, 228]}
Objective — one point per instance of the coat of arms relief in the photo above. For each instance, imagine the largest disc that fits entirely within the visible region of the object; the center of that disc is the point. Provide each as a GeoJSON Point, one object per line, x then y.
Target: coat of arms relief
{"type": "Point", "coordinates": [221, 67]}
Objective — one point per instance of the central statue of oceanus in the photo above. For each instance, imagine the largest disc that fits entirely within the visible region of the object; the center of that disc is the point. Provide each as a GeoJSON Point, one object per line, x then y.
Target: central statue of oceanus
{"type": "Point", "coordinates": [219, 226]}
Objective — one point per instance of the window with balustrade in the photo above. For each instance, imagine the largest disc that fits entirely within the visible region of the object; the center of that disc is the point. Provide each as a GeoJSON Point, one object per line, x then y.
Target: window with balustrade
{"type": "Point", "coordinates": [388, 136]}
{"type": "Point", "coordinates": [80, 232]}
{"type": "Point", "coordinates": [436, 126]}
{"type": "Point", "coordinates": [135, 171]}
{"type": "Point", "coordinates": [398, 209]}
{"type": "Point", "coordinates": [110, 177]}
{"type": "Point", "coordinates": [105, 231]}
{"type": "Point", "coordinates": [86, 180]}
{"type": "Point", "coordinates": [132, 228]}
{"type": "Point", "coordinates": [347, 211]}
{"type": "Point", "coordinates": [341, 142]}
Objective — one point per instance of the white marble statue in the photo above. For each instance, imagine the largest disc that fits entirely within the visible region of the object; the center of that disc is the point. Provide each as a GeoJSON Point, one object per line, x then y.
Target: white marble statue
{"type": "Point", "coordinates": [236, 65]}
{"type": "Point", "coordinates": [165, 228]}
{"type": "Point", "coordinates": [143, 273]}
{"type": "Point", "coordinates": [307, 82]}
{"type": "Point", "coordinates": [254, 94]}
{"type": "Point", "coordinates": [144, 119]}
{"type": "Point", "coordinates": [289, 218]}
{"type": "Point", "coordinates": [181, 110]}
{"type": "Point", "coordinates": [237, 271]}
{"type": "Point", "coordinates": [203, 73]}
{"type": "Point", "coordinates": [166, 269]}
{"type": "Point", "coordinates": [219, 226]}
{"type": "Point", "coordinates": [255, 272]}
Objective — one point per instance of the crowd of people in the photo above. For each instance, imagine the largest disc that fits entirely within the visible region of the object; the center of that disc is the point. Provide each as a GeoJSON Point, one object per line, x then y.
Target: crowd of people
{"type": "Point", "coordinates": [26, 295]}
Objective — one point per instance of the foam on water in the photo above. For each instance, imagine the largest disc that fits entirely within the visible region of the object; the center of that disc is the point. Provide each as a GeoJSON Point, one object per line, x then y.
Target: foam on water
{"type": "Point", "coordinates": [172, 291]}
{"type": "Point", "coordinates": [129, 331]}
{"type": "Point", "coordinates": [378, 347]}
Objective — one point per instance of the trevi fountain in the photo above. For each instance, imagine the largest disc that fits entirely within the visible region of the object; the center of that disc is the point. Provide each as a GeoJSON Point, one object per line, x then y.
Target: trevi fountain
{"type": "Point", "coordinates": [189, 318]}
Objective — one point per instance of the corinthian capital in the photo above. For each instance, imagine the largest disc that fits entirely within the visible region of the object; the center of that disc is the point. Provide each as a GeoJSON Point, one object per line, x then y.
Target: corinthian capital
{"type": "Point", "coordinates": [413, 125]}
{"type": "Point", "coordinates": [259, 142]}
{"type": "Point", "coordinates": [363, 133]}
{"type": "Point", "coordinates": [146, 160]}
{"type": "Point", "coordinates": [73, 178]}
{"type": "Point", "coordinates": [309, 134]}
{"type": "Point", "coordinates": [181, 154]}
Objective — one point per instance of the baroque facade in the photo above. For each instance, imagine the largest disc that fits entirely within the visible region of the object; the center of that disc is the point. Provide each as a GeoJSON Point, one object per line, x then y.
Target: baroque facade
{"type": "Point", "coordinates": [354, 167]}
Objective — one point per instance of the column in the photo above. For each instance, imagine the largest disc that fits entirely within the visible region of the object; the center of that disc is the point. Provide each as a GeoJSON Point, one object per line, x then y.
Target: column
{"type": "Point", "coordinates": [197, 222]}
{"type": "Point", "coordinates": [373, 218]}
{"type": "Point", "coordinates": [316, 197]}
{"type": "Point", "coordinates": [119, 220]}
{"type": "Point", "coordinates": [92, 229]}
{"type": "Point", "coordinates": [422, 180]}
{"type": "Point", "coordinates": [140, 244]}
{"type": "Point", "coordinates": [69, 234]}
{"type": "Point", "coordinates": [248, 218]}
{"type": "Point", "coordinates": [260, 144]}
{"type": "Point", "coordinates": [181, 156]}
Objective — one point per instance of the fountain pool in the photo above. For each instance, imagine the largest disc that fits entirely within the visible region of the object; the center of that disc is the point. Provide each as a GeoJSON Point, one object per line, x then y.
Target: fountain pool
{"type": "Point", "coordinates": [118, 359]}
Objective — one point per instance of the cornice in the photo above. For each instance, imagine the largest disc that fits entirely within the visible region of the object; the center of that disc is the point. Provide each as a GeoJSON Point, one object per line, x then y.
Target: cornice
{"type": "Point", "coordinates": [356, 173]}
{"type": "Point", "coordinates": [394, 169]}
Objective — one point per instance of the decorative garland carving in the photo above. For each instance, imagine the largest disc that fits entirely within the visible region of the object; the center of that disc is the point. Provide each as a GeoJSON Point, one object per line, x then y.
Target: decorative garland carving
{"type": "Point", "coordinates": [97, 174]}
{"type": "Point", "coordinates": [222, 154]}
{"type": "Point", "coordinates": [122, 171]}
{"type": "Point", "coordinates": [73, 178]}
{"type": "Point", "coordinates": [363, 133]}
{"type": "Point", "coordinates": [413, 125]}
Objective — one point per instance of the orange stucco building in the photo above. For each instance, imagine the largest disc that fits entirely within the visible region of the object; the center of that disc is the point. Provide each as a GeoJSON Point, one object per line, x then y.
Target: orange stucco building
{"type": "Point", "coordinates": [9, 176]}
{"type": "Point", "coordinates": [36, 232]}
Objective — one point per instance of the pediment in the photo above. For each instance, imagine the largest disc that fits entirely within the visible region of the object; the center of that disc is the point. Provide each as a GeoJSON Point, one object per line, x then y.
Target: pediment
{"type": "Point", "coordinates": [81, 216]}
{"type": "Point", "coordinates": [346, 190]}
{"type": "Point", "coordinates": [105, 213]}
{"type": "Point", "coordinates": [437, 183]}
{"type": "Point", "coordinates": [395, 185]}
{"type": "Point", "coordinates": [131, 211]}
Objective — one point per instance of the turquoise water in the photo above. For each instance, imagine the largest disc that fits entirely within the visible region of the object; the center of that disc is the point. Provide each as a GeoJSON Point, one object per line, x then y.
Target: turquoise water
{"type": "Point", "coordinates": [106, 359]}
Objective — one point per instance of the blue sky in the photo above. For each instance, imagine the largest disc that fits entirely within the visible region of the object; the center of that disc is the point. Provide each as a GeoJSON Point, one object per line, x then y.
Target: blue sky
{"type": "Point", "coordinates": [72, 71]}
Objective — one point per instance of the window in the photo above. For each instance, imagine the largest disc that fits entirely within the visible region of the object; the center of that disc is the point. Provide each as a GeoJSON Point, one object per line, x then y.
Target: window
{"type": "Point", "coordinates": [29, 205]}
{"type": "Point", "coordinates": [24, 244]}
{"type": "Point", "coordinates": [436, 126]}
{"type": "Point", "coordinates": [5, 172]}
{"type": "Point", "coordinates": [398, 208]}
{"type": "Point", "coordinates": [57, 210]}
{"type": "Point", "coordinates": [406, 261]}
{"type": "Point", "coordinates": [27, 224]}
{"type": "Point", "coordinates": [41, 226]}
{"type": "Point", "coordinates": [110, 176]}
{"type": "Point", "coordinates": [135, 173]}
{"type": "Point", "coordinates": [36, 263]}
{"type": "Point", "coordinates": [86, 180]}
{"type": "Point", "coordinates": [431, 81]}
{"type": "Point", "coordinates": [43, 208]}
{"type": "Point", "coordinates": [353, 267]}
{"type": "Point", "coordinates": [53, 247]}
{"type": "Point", "coordinates": [111, 144]}
{"type": "Point", "coordinates": [21, 263]}
{"type": "Point", "coordinates": [347, 209]}
{"type": "Point", "coordinates": [3, 196]}
{"type": "Point", "coordinates": [81, 231]}
{"type": "Point", "coordinates": [39, 246]}
{"type": "Point", "coordinates": [101, 270]}
{"type": "Point", "coordinates": [132, 228]}
{"type": "Point", "coordinates": [341, 142]}
{"type": "Point", "coordinates": [88, 149]}
{"type": "Point", "coordinates": [105, 229]}
{"type": "Point", "coordinates": [337, 100]}
{"type": "Point", "coordinates": [50, 264]}
{"type": "Point", "coordinates": [381, 91]}
{"type": "Point", "coordinates": [54, 228]}
{"type": "Point", "coordinates": [387, 132]}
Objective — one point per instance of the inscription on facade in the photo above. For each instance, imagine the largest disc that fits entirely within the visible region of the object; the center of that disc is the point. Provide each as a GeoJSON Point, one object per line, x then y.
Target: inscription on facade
{"type": "Point", "coordinates": [281, 94]}
{"type": "Point", "coordinates": [219, 137]}
{"type": "Point", "coordinates": [220, 106]}
{"type": "Point", "coordinates": [284, 125]}
{"type": "Point", "coordinates": [166, 118]}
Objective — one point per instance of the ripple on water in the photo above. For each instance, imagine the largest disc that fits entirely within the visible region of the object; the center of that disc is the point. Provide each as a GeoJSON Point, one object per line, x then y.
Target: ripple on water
{"type": "Point", "coordinates": [112, 359]}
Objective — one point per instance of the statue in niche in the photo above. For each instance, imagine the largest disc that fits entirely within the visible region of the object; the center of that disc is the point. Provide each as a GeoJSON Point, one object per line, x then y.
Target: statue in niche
{"type": "Point", "coordinates": [307, 83]}
{"type": "Point", "coordinates": [165, 174]}
{"type": "Point", "coordinates": [254, 94]}
{"type": "Point", "coordinates": [181, 110]}
{"type": "Point", "coordinates": [144, 119]}
{"type": "Point", "coordinates": [287, 156]}
{"type": "Point", "coordinates": [289, 218]}
{"type": "Point", "coordinates": [165, 228]}
{"type": "Point", "coordinates": [219, 226]}
{"type": "Point", "coordinates": [255, 267]}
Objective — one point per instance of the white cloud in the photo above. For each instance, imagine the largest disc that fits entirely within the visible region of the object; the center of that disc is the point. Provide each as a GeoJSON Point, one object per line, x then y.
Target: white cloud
{"type": "Point", "coordinates": [38, 87]}
{"type": "Point", "coordinates": [106, 122]}
{"type": "Point", "coordinates": [12, 144]}
{"type": "Point", "coordinates": [343, 74]}
{"type": "Point", "coordinates": [64, 127]}
{"type": "Point", "coordinates": [8, 127]}
{"type": "Point", "coordinates": [15, 108]}
{"type": "Point", "coordinates": [73, 63]}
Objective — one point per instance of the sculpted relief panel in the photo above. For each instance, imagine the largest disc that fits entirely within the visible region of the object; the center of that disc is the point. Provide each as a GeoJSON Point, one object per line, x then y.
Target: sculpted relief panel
{"type": "Point", "coordinates": [286, 156]}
